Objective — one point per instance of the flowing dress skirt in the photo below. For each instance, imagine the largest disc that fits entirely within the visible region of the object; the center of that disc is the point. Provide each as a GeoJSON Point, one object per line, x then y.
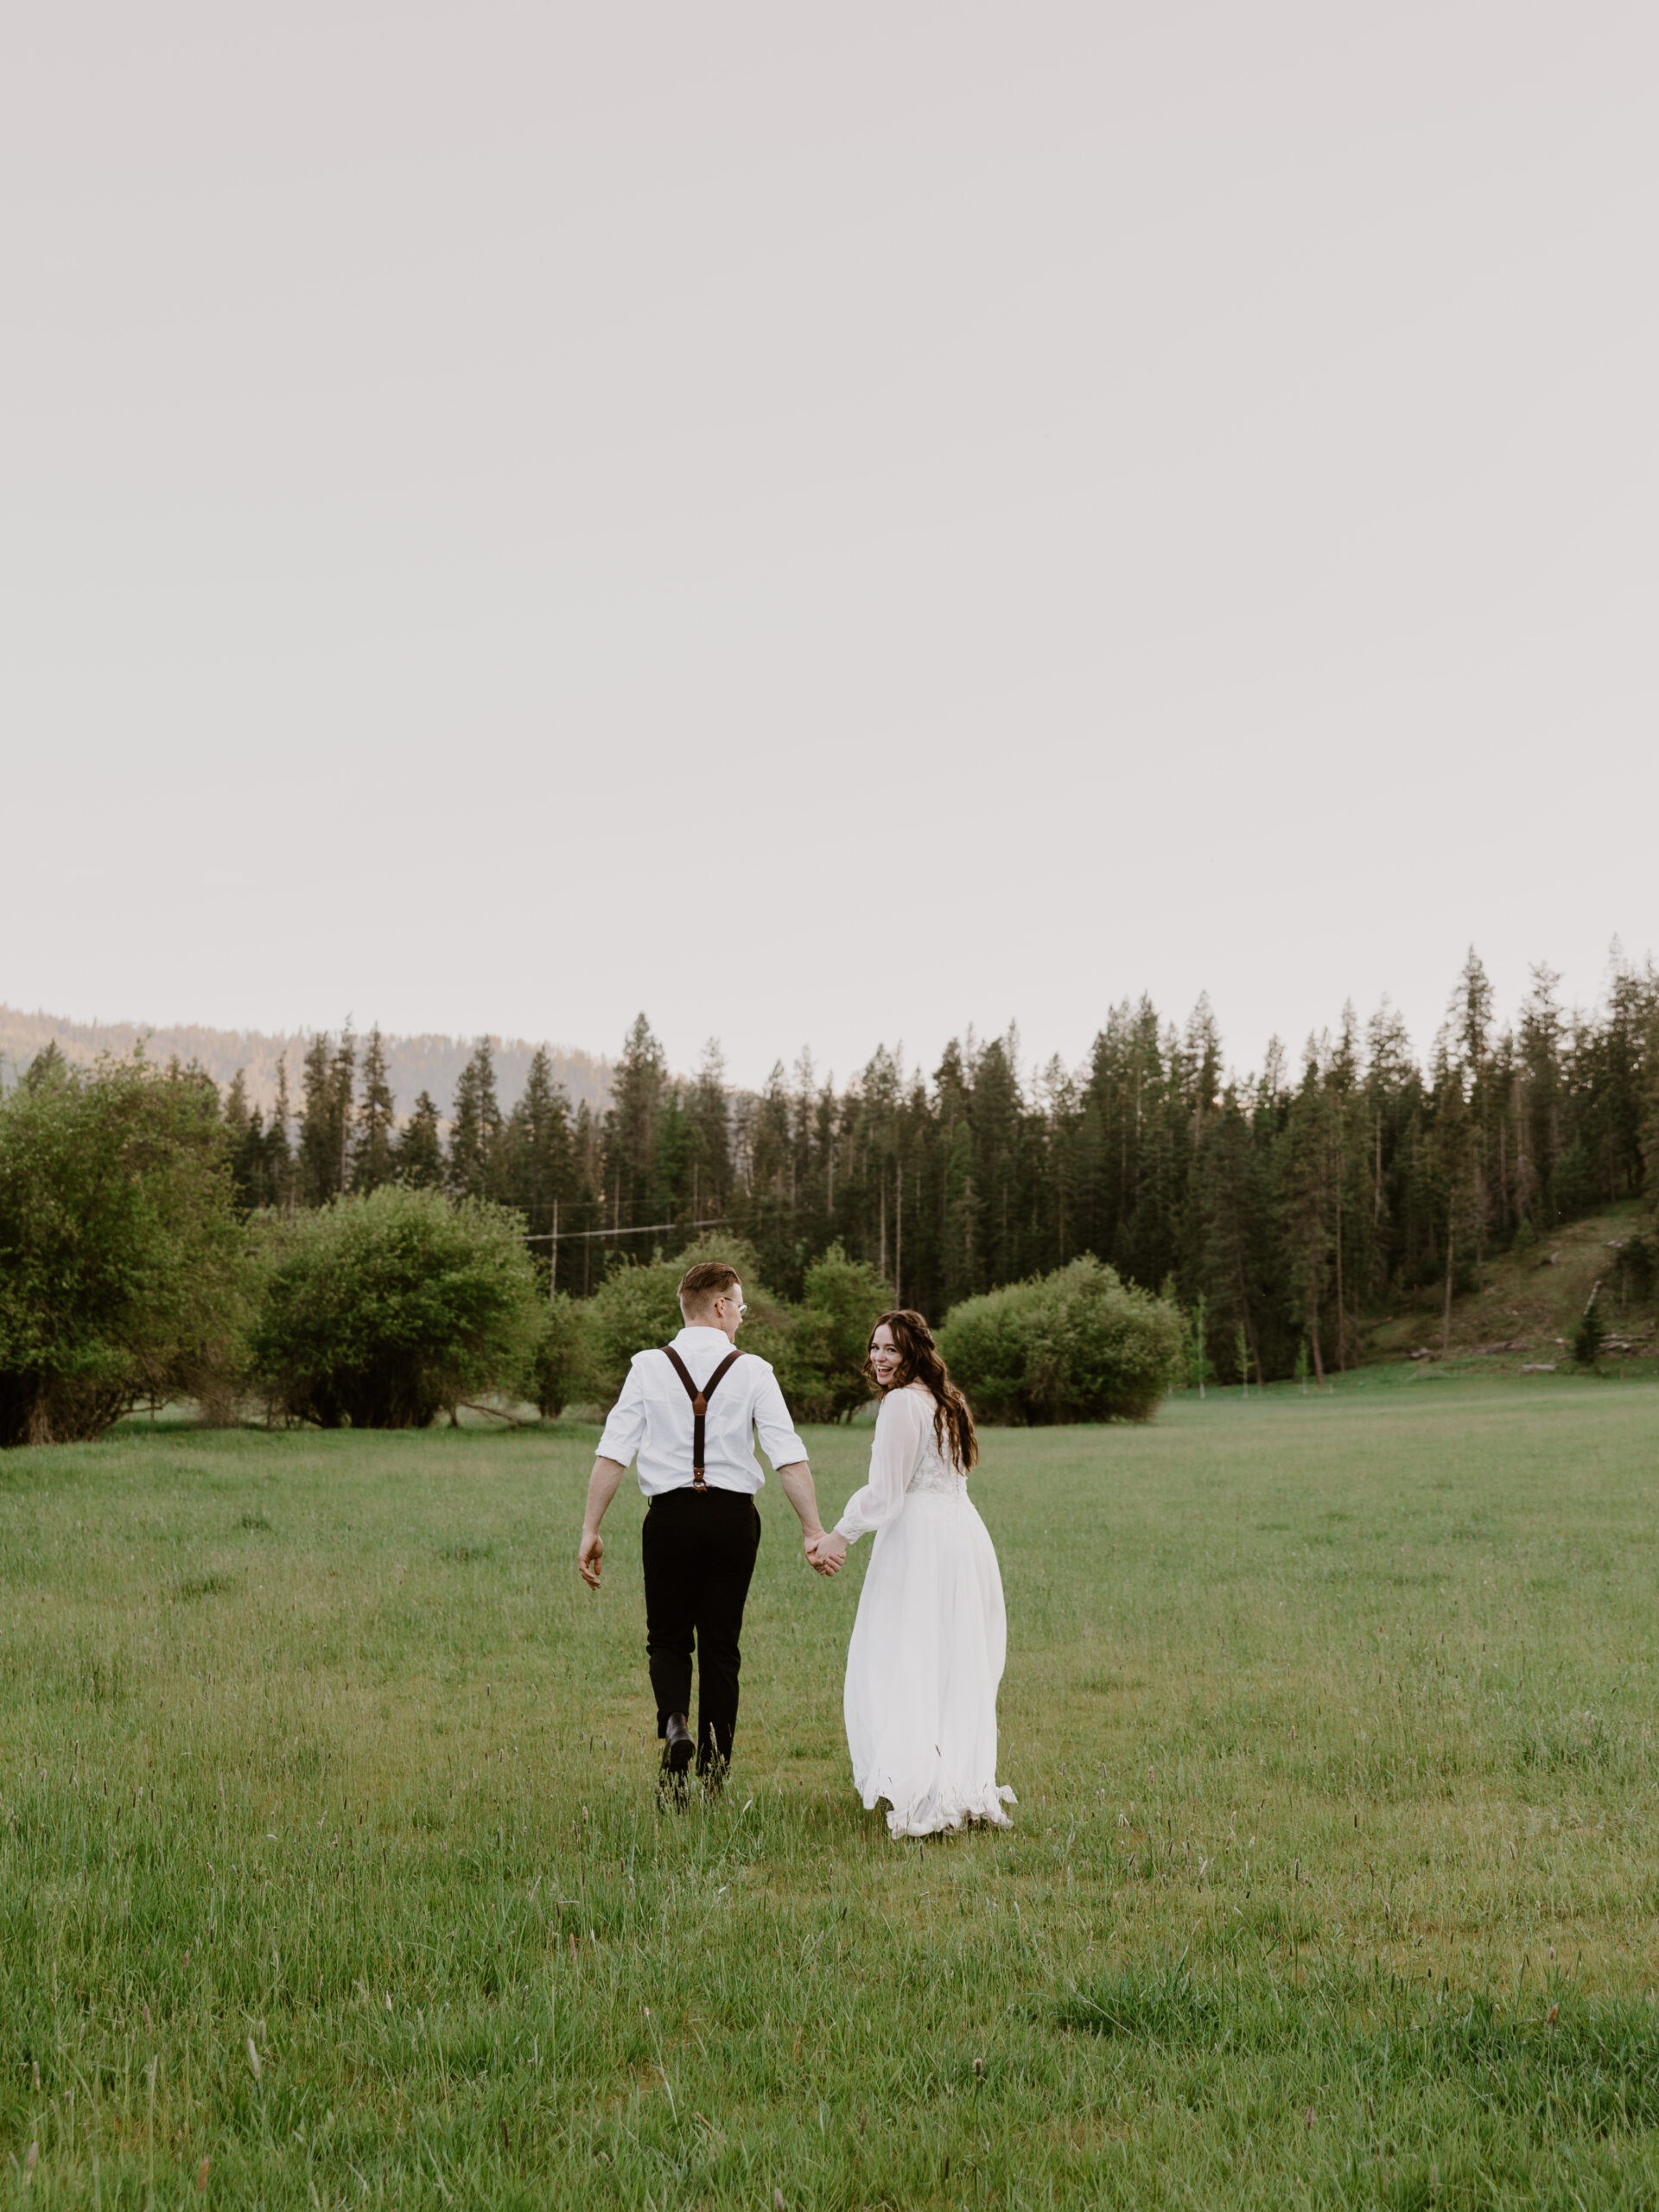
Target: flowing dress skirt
{"type": "Point", "coordinates": [923, 1668]}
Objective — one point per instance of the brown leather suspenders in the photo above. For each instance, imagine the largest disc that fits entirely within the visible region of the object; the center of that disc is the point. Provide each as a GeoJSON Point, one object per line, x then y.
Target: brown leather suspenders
{"type": "Point", "coordinates": [699, 1406]}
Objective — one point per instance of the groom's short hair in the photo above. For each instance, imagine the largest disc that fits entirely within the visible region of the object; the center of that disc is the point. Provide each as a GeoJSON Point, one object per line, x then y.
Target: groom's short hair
{"type": "Point", "coordinates": [701, 1284]}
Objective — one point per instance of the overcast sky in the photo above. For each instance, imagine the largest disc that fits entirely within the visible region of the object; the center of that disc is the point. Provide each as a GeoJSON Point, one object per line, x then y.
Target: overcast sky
{"type": "Point", "coordinates": [829, 524]}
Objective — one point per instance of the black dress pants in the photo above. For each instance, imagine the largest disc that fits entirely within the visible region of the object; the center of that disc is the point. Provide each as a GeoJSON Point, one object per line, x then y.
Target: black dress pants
{"type": "Point", "coordinates": [699, 1548]}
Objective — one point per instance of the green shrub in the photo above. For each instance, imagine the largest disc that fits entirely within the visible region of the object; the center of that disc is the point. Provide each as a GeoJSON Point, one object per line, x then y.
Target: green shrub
{"type": "Point", "coordinates": [637, 1305]}
{"type": "Point", "coordinates": [634, 1306]}
{"type": "Point", "coordinates": [1079, 1344]}
{"type": "Point", "coordinates": [556, 1359]}
{"type": "Point", "coordinates": [817, 1349]}
{"type": "Point", "coordinates": [120, 1267]}
{"type": "Point", "coordinates": [380, 1311]}
{"type": "Point", "coordinates": [823, 1376]}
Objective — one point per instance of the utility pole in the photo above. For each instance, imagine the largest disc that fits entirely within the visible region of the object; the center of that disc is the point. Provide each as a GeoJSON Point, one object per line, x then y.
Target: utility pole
{"type": "Point", "coordinates": [553, 1258]}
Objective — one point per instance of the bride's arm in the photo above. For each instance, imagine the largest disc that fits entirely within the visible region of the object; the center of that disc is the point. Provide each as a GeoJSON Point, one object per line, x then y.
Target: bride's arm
{"type": "Point", "coordinates": [900, 1427]}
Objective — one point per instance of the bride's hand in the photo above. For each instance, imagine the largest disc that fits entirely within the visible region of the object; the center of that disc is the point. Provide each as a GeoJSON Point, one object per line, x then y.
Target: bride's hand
{"type": "Point", "coordinates": [827, 1551]}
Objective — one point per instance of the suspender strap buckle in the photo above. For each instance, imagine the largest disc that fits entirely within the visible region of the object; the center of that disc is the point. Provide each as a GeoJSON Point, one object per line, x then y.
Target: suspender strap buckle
{"type": "Point", "coordinates": [699, 1406]}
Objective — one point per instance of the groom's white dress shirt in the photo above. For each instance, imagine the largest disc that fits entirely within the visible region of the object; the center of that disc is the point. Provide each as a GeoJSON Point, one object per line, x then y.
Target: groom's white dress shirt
{"type": "Point", "coordinates": [653, 1417]}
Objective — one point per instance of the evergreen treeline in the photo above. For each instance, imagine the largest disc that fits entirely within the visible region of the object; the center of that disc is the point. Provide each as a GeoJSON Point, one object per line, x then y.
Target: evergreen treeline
{"type": "Point", "coordinates": [1282, 1206]}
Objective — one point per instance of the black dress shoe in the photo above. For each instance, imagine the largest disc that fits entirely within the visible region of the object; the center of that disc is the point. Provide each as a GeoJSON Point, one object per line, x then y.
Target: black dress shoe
{"type": "Point", "coordinates": [678, 1744]}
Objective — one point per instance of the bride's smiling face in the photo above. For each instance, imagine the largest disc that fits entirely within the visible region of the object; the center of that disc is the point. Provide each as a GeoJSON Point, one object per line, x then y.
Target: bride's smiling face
{"type": "Point", "coordinates": [884, 1356]}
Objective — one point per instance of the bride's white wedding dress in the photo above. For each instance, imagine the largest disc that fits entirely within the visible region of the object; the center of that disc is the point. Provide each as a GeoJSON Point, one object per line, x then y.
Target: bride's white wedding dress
{"type": "Point", "coordinates": [931, 1637]}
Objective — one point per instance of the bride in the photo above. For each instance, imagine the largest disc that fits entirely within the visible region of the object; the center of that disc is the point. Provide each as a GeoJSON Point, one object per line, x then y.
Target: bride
{"type": "Point", "coordinates": [929, 1640]}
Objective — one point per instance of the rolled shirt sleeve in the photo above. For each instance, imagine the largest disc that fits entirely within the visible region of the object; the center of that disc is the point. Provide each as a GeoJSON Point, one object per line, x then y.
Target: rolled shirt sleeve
{"type": "Point", "coordinates": [895, 1449]}
{"type": "Point", "coordinates": [624, 1427]}
{"type": "Point", "coordinates": [773, 1425]}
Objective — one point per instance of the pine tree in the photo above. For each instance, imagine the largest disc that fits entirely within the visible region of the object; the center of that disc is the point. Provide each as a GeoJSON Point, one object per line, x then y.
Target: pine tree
{"type": "Point", "coordinates": [1651, 1113]}
{"type": "Point", "coordinates": [475, 1148]}
{"type": "Point", "coordinates": [538, 1153]}
{"type": "Point", "coordinates": [1231, 1231]}
{"type": "Point", "coordinates": [708, 1110]}
{"type": "Point", "coordinates": [325, 1118]}
{"type": "Point", "coordinates": [766, 1213]}
{"type": "Point", "coordinates": [1308, 1208]}
{"type": "Point", "coordinates": [279, 1157]}
{"type": "Point", "coordinates": [47, 1066]}
{"type": "Point", "coordinates": [249, 1167]}
{"type": "Point", "coordinates": [318, 1175]}
{"type": "Point", "coordinates": [995, 1109]}
{"type": "Point", "coordinates": [373, 1160]}
{"type": "Point", "coordinates": [418, 1154]}
{"type": "Point", "coordinates": [639, 1090]}
{"type": "Point", "coordinates": [1539, 1078]}
{"type": "Point", "coordinates": [960, 1272]}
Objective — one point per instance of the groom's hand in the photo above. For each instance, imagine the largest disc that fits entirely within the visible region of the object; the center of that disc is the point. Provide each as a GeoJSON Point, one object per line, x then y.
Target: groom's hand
{"type": "Point", "coordinates": [601, 1489]}
{"type": "Point", "coordinates": [826, 1551]}
{"type": "Point", "coordinates": [590, 1555]}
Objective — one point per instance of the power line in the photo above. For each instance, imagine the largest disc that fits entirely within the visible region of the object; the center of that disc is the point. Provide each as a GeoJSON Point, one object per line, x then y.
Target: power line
{"type": "Point", "coordinates": [641, 1229]}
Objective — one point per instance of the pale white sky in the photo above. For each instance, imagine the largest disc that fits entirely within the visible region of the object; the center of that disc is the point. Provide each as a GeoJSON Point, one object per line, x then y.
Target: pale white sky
{"type": "Point", "coordinates": [829, 524]}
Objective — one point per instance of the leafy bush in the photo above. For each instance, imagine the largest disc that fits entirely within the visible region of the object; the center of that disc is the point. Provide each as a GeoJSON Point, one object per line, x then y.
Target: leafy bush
{"type": "Point", "coordinates": [638, 1306]}
{"type": "Point", "coordinates": [119, 1252]}
{"type": "Point", "coordinates": [824, 1377]}
{"type": "Point", "coordinates": [556, 1361]}
{"type": "Point", "coordinates": [634, 1306]}
{"type": "Point", "coordinates": [1079, 1344]}
{"type": "Point", "coordinates": [817, 1349]}
{"type": "Point", "coordinates": [380, 1311]}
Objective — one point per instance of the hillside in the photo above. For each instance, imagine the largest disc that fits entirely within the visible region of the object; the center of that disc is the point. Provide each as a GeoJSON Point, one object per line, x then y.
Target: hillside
{"type": "Point", "coordinates": [415, 1064]}
{"type": "Point", "coordinates": [1529, 1304]}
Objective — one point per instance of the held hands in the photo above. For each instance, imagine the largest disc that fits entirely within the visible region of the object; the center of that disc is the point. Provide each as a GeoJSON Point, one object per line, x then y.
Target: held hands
{"type": "Point", "coordinates": [825, 1551]}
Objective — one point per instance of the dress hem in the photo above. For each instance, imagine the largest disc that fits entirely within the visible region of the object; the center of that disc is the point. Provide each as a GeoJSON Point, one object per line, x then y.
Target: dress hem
{"type": "Point", "coordinates": [942, 1811]}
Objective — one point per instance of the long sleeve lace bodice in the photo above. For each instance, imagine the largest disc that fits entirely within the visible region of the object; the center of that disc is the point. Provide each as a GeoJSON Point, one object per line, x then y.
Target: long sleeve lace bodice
{"type": "Point", "coordinates": [904, 1456]}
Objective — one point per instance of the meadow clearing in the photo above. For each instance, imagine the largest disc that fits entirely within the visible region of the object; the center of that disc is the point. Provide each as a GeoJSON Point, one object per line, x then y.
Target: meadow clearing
{"type": "Point", "coordinates": [331, 1871]}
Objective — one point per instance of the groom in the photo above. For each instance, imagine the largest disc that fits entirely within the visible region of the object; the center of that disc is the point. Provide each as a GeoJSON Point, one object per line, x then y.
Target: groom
{"type": "Point", "coordinates": [690, 1412]}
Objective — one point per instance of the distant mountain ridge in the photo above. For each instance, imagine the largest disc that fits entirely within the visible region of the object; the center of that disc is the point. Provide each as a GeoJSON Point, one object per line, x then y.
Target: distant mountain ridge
{"type": "Point", "coordinates": [414, 1064]}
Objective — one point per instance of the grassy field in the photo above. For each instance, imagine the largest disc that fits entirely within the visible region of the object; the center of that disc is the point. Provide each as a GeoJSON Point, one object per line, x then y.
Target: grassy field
{"type": "Point", "coordinates": [330, 1871]}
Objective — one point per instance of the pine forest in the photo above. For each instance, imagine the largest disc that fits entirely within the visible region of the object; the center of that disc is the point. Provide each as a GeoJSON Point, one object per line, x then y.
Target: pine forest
{"type": "Point", "coordinates": [1284, 1206]}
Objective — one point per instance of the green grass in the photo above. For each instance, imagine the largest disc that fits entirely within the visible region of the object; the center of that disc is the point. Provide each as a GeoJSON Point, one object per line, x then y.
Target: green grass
{"type": "Point", "coordinates": [328, 1851]}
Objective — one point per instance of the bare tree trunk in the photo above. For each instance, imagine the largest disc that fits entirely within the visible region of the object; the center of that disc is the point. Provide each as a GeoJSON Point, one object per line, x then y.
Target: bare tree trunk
{"type": "Point", "coordinates": [1446, 1332]}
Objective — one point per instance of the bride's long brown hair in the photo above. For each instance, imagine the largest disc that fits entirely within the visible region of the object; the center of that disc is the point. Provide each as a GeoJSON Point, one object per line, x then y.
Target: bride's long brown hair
{"type": "Point", "coordinates": [920, 1362]}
